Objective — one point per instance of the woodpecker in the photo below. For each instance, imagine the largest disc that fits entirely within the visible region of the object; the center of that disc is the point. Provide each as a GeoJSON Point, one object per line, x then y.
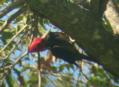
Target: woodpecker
{"type": "Point", "coordinates": [59, 44]}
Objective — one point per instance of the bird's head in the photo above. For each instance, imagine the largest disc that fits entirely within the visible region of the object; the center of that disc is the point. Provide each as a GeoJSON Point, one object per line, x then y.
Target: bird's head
{"type": "Point", "coordinates": [38, 44]}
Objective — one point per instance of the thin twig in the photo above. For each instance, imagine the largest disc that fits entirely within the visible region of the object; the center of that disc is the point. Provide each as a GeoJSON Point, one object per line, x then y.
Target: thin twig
{"type": "Point", "coordinates": [19, 58]}
{"type": "Point", "coordinates": [65, 75]}
{"type": "Point", "coordinates": [55, 84]}
{"type": "Point", "coordinates": [10, 52]}
{"type": "Point", "coordinates": [6, 57]}
{"type": "Point", "coordinates": [12, 39]}
{"type": "Point", "coordinates": [39, 73]}
{"type": "Point", "coordinates": [39, 78]}
{"type": "Point", "coordinates": [11, 66]}
{"type": "Point", "coordinates": [2, 59]}
{"type": "Point", "coordinates": [85, 76]}
{"type": "Point", "coordinates": [11, 18]}
{"type": "Point", "coordinates": [11, 7]}
{"type": "Point", "coordinates": [4, 67]}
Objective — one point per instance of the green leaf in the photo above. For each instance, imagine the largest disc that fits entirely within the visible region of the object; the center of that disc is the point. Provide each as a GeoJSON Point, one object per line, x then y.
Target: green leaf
{"type": "Point", "coordinates": [54, 68]}
{"type": "Point", "coordinates": [2, 1]}
{"type": "Point", "coordinates": [6, 35]}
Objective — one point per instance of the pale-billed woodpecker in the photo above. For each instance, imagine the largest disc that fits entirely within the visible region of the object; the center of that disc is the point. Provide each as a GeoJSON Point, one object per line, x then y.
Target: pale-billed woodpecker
{"type": "Point", "coordinates": [60, 45]}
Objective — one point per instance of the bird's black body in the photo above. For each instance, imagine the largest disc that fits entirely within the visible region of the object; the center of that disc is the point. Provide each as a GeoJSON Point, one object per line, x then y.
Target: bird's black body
{"type": "Point", "coordinates": [61, 47]}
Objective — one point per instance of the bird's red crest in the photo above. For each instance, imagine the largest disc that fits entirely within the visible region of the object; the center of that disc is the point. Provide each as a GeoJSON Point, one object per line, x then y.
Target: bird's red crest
{"type": "Point", "coordinates": [34, 46]}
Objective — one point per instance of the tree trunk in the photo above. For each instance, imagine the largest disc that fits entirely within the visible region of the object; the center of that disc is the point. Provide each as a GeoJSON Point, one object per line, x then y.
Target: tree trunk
{"type": "Point", "coordinates": [85, 25]}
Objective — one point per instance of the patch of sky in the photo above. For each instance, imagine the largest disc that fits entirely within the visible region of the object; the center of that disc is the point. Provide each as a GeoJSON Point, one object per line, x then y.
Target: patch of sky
{"type": "Point", "coordinates": [14, 55]}
{"type": "Point", "coordinates": [52, 28]}
{"type": "Point", "coordinates": [44, 53]}
{"type": "Point", "coordinates": [9, 14]}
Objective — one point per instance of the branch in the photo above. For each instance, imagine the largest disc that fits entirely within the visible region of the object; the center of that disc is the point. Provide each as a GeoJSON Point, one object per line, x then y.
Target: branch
{"type": "Point", "coordinates": [112, 16]}
{"type": "Point", "coordinates": [12, 39]}
{"type": "Point", "coordinates": [11, 7]}
{"type": "Point", "coordinates": [11, 18]}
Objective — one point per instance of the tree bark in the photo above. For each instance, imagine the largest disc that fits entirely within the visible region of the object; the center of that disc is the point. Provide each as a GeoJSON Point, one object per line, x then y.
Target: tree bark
{"type": "Point", "coordinates": [85, 25]}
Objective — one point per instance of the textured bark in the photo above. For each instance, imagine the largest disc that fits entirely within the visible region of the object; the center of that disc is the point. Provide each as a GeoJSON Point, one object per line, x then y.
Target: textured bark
{"type": "Point", "coordinates": [85, 26]}
{"type": "Point", "coordinates": [112, 15]}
